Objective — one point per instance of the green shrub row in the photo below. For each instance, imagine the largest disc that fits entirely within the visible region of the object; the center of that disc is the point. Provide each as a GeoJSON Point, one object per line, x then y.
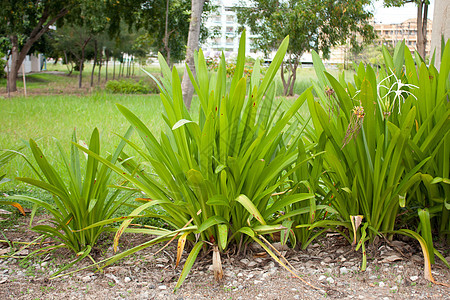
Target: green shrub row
{"type": "Point", "coordinates": [130, 86]}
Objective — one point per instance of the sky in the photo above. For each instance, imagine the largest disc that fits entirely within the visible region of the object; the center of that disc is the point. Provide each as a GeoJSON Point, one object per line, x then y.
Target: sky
{"type": "Point", "coordinates": [393, 15]}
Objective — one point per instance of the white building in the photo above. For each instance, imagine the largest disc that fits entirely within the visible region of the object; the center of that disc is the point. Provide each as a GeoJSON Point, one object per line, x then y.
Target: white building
{"type": "Point", "coordinates": [224, 22]}
{"type": "Point", "coordinates": [32, 63]}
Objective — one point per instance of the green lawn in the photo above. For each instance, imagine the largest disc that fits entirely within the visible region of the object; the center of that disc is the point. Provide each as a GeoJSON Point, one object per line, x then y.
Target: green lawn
{"type": "Point", "coordinates": [48, 117]}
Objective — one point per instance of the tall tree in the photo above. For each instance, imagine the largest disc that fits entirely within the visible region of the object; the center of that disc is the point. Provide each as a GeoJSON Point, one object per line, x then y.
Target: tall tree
{"type": "Point", "coordinates": [311, 25]}
{"type": "Point", "coordinates": [422, 21]}
{"type": "Point", "coordinates": [28, 20]}
{"type": "Point", "coordinates": [192, 45]}
{"type": "Point", "coordinates": [441, 27]}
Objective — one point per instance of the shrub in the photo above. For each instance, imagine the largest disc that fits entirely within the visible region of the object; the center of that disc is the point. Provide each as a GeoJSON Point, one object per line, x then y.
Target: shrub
{"type": "Point", "coordinates": [129, 87]}
{"type": "Point", "coordinates": [79, 203]}
{"type": "Point", "coordinates": [221, 179]}
{"type": "Point", "coordinates": [387, 145]}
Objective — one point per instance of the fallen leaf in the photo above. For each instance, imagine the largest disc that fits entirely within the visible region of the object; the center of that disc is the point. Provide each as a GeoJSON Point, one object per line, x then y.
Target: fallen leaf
{"type": "Point", "coordinates": [391, 258]}
{"type": "Point", "coordinates": [4, 251]}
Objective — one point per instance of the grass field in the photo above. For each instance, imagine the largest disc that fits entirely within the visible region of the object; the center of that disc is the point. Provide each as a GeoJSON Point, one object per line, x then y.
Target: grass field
{"type": "Point", "coordinates": [55, 107]}
{"type": "Point", "coordinates": [48, 117]}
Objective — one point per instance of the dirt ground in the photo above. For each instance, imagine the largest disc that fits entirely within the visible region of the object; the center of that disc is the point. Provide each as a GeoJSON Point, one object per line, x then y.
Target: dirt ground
{"type": "Point", "coordinates": [395, 271]}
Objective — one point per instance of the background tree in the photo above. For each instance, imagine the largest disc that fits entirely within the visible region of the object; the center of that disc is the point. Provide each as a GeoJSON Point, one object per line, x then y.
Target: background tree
{"type": "Point", "coordinates": [167, 34]}
{"type": "Point", "coordinates": [422, 20]}
{"type": "Point", "coordinates": [310, 24]}
{"type": "Point", "coordinates": [192, 45]}
{"type": "Point", "coordinates": [441, 27]}
{"type": "Point", "coordinates": [24, 22]}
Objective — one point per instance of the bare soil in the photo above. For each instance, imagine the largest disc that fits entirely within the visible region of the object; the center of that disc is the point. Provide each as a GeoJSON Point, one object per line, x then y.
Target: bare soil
{"type": "Point", "coordinates": [395, 271]}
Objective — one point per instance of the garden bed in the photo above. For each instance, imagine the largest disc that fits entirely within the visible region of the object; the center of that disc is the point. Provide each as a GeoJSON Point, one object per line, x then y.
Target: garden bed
{"type": "Point", "coordinates": [395, 271]}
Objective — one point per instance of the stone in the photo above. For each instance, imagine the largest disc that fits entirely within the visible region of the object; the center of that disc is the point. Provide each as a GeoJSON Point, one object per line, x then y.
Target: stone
{"type": "Point", "coordinates": [414, 278]}
{"type": "Point", "coordinates": [127, 279]}
{"type": "Point", "coordinates": [244, 261]}
{"type": "Point", "coordinates": [252, 264]}
{"type": "Point", "coordinates": [381, 284]}
{"type": "Point", "coordinates": [86, 278]}
{"type": "Point", "coordinates": [326, 259]}
{"type": "Point", "coordinates": [162, 287]}
{"type": "Point", "coordinates": [330, 280]}
{"type": "Point", "coordinates": [343, 270]}
{"type": "Point", "coordinates": [322, 277]}
{"type": "Point", "coordinates": [394, 289]}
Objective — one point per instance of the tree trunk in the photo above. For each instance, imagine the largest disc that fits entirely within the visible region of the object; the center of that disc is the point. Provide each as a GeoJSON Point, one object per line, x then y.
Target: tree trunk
{"type": "Point", "coordinates": [18, 58]}
{"type": "Point", "coordinates": [95, 62]}
{"type": "Point", "coordinates": [80, 75]}
{"type": "Point", "coordinates": [288, 85]}
{"type": "Point", "coordinates": [114, 68]}
{"type": "Point", "coordinates": [15, 64]}
{"type": "Point", "coordinates": [293, 77]}
{"type": "Point", "coordinates": [99, 70]}
{"type": "Point", "coordinates": [192, 45]}
{"type": "Point", "coordinates": [441, 28]}
{"type": "Point", "coordinates": [106, 66]}
{"type": "Point", "coordinates": [67, 64]}
{"type": "Point", "coordinates": [422, 18]}
{"type": "Point", "coordinates": [166, 34]}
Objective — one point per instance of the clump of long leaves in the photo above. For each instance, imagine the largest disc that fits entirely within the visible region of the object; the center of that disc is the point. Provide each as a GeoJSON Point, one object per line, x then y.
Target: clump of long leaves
{"type": "Point", "coordinates": [387, 137]}
{"type": "Point", "coordinates": [220, 174]}
{"type": "Point", "coordinates": [78, 203]}
{"type": "Point", "coordinates": [5, 157]}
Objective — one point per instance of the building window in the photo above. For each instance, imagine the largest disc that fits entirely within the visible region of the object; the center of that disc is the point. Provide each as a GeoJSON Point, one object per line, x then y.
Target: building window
{"type": "Point", "coordinates": [229, 29]}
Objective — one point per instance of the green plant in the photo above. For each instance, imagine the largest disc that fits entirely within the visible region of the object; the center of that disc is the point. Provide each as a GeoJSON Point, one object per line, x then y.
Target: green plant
{"type": "Point", "coordinates": [129, 87]}
{"type": "Point", "coordinates": [221, 179]}
{"type": "Point", "coordinates": [82, 201]}
{"type": "Point", "coordinates": [5, 157]}
{"type": "Point", "coordinates": [387, 137]}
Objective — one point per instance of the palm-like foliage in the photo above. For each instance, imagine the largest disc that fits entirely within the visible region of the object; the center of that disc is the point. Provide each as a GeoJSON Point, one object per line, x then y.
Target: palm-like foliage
{"type": "Point", "coordinates": [387, 143]}
{"type": "Point", "coordinates": [80, 202]}
{"type": "Point", "coordinates": [217, 173]}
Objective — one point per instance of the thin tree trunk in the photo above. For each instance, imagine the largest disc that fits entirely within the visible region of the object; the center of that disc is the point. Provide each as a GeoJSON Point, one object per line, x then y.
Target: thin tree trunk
{"type": "Point", "coordinates": [293, 77]}
{"type": "Point", "coordinates": [67, 64]}
{"type": "Point", "coordinates": [80, 75]}
{"type": "Point", "coordinates": [114, 68]}
{"type": "Point", "coordinates": [99, 71]}
{"type": "Point", "coordinates": [192, 45]}
{"type": "Point", "coordinates": [95, 63]}
{"type": "Point", "coordinates": [422, 14]}
{"type": "Point", "coordinates": [424, 28]}
{"type": "Point", "coordinates": [283, 80]}
{"type": "Point", "coordinates": [106, 66]}
{"type": "Point", "coordinates": [120, 69]}
{"type": "Point", "coordinates": [166, 34]}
